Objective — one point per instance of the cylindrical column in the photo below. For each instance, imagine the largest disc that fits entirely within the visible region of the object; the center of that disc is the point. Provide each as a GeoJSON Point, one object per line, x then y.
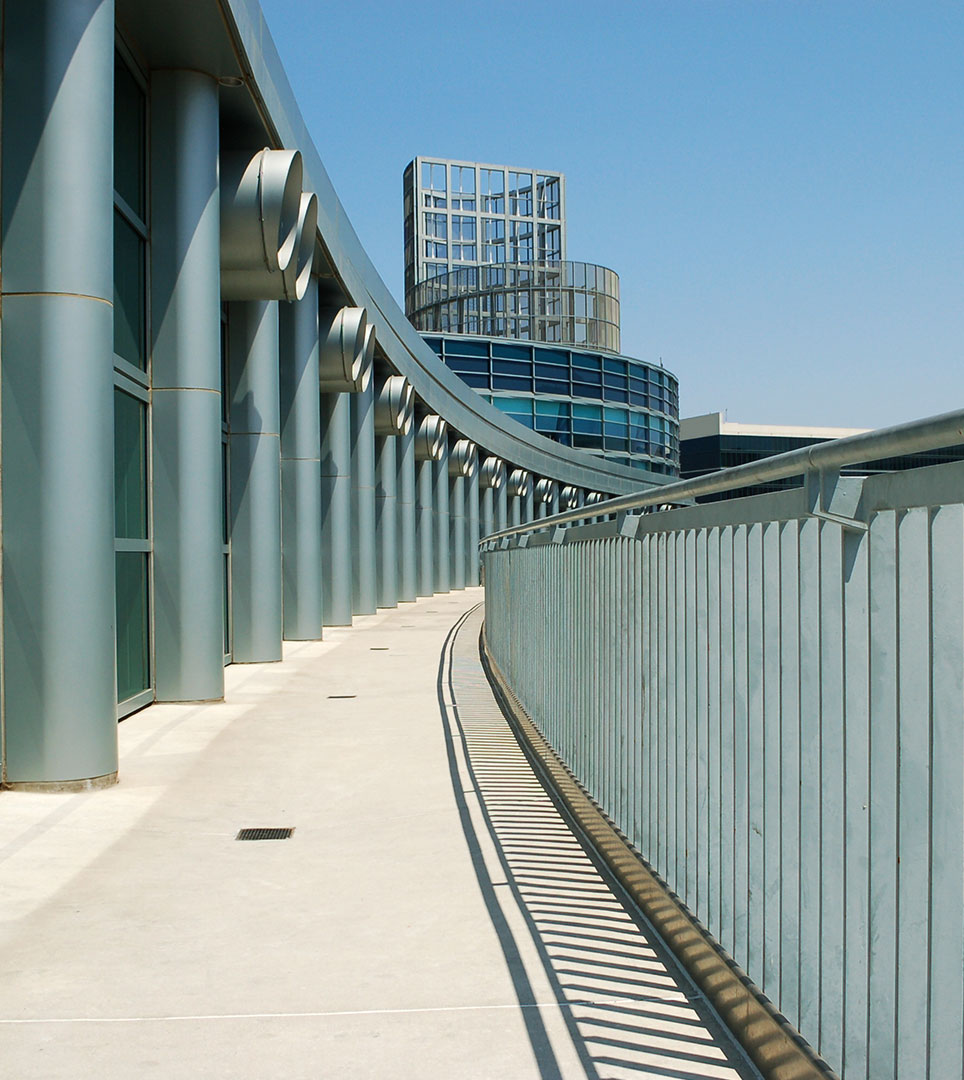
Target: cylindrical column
{"type": "Point", "coordinates": [186, 409]}
{"type": "Point", "coordinates": [430, 439]}
{"type": "Point", "coordinates": [57, 423]}
{"type": "Point", "coordinates": [472, 529]}
{"type": "Point", "coordinates": [546, 492]}
{"type": "Point", "coordinates": [492, 481]}
{"type": "Point", "coordinates": [407, 561]}
{"type": "Point", "coordinates": [519, 486]}
{"type": "Point", "coordinates": [463, 464]}
{"type": "Point", "coordinates": [346, 350]}
{"type": "Point", "coordinates": [443, 551]}
{"type": "Point", "coordinates": [394, 406]}
{"type": "Point", "coordinates": [363, 501]}
{"type": "Point", "coordinates": [502, 508]}
{"type": "Point", "coordinates": [386, 519]}
{"type": "Point", "coordinates": [255, 481]}
{"type": "Point", "coordinates": [336, 508]}
{"type": "Point", "coordinates": [529, 504]}
{"type": "Point", "coordinates": [301, 468]}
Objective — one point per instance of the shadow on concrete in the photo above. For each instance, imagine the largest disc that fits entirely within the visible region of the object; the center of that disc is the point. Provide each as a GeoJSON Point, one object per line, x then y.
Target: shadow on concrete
{"type": "Point", "coordinates": [629, 1010]}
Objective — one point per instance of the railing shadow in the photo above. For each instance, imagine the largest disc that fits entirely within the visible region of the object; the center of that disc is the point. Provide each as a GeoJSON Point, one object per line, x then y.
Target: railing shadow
{"type": "Point", "coordinates": [628, 1010]}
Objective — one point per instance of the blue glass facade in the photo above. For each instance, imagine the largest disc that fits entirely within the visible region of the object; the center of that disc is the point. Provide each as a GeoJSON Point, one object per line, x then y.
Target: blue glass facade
{"type": "Point", "coordinates": [594, 401]}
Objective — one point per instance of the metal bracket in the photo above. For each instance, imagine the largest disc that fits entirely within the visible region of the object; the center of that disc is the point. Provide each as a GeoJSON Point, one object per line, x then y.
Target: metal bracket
{"type": "Point", "coordinates": [558, 535]}
{"type": "Point", "coordinates": [832, 498]}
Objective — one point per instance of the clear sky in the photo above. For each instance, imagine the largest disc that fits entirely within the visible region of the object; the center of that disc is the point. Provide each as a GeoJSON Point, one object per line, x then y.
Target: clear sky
{"type": "Point", "coordinates": [778, 183]}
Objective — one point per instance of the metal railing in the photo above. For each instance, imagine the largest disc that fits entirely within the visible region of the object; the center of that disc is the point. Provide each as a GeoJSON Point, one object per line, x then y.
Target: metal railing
{"type": "Point", "coordinates": [766, 696]}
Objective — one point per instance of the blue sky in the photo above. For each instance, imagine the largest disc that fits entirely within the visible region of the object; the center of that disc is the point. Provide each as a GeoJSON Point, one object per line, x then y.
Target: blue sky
{"type": "Point", "coordinates": [778, 183]}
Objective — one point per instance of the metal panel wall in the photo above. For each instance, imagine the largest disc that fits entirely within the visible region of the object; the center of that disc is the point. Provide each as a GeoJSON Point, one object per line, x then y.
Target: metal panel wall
{"type": "Point", "coordinates": [772, 711]}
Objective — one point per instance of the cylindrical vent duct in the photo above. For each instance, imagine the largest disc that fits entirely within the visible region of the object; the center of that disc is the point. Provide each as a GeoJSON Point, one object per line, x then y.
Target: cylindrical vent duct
{"type": "Point", "coordinates": [347, 353]}
{"type": "Point", "coordinates": [463, 458]}
{"type": "Point", "coordinates": [430, 438]}
{"type": "Point", "coordinates": [394, 406]}
{"type": "Point", "coordinates": [519, 482]}
{"type": "Point", "coordinates": [594, 497]}
{"type": "Point", "coordinates": [545, 491]}
{"type": "Point", "coordinates": [492, 473]}
{"type": "Point", "coordinates": [297, 273]}
{"type": "Point", "coordinates": [568, 498]}
{"type": "Point", "coordinates": [260, 214]}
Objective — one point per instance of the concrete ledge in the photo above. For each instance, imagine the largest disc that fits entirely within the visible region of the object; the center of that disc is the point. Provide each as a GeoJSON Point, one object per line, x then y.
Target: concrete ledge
{"type": "Point", "coordinates": [772, 1044]}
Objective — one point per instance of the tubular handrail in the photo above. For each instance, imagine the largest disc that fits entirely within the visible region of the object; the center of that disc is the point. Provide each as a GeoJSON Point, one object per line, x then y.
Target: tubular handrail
{"type": "Point", "coordinates": [931, 433]}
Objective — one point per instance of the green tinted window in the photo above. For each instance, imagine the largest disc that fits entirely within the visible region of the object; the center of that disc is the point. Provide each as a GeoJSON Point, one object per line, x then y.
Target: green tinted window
{"type": "Point", "coordinates": [129, 138]}
{"type": "Point", "coordinates": [130, 467]}
{"type": "Point", "coordinates": [129, 294]}
{"type": "Point", "coordinates": [133, 656]}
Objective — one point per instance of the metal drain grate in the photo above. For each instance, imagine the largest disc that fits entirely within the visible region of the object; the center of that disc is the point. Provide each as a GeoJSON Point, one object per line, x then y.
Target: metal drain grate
{"type": "Point", "coordinates": [264, 834]}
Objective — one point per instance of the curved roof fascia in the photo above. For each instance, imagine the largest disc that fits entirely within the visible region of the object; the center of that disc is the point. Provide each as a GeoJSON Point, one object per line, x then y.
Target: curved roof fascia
{"type": "Point", "coordinates": [440, 389]}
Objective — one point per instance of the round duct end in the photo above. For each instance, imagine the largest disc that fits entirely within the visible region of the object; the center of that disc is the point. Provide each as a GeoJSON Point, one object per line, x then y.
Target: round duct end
{"type": "Point", "coordinates": [519, 482]}
{"type": "Point", "coordinates": [463, 458]}
{"type": "Point", "coordinates": [568, 498]}
{"type": "Point", "coordinates": [492, 473]}
{"type": "Point", "coordinates": [297, 273]}
{"type": "Point", "coordinates": [342, 357]}
{"type": "Point", "coordinates": [545, 490]}
{"type": "Point", "coordinates": [281, 177]}
{"type": "Point", "coordinates": [430, 438]}
{"type": "Point", "coordinates": [394, 406]}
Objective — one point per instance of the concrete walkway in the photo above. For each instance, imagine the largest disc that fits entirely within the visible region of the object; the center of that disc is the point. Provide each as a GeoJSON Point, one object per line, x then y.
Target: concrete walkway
{"type": "Point", "coordinates": [432, 915]}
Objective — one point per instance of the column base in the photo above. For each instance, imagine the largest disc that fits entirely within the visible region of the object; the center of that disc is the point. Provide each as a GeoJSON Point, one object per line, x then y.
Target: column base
{"type": "Point", "coordinates": [61, 787]}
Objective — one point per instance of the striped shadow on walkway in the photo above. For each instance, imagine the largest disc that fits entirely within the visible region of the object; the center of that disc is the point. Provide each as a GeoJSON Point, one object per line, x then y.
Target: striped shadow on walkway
{"type": "Point", "coordinates": [630, 1011]}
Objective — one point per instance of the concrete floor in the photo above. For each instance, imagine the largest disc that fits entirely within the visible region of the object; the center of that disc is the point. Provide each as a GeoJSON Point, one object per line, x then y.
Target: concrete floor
{"type": "Point", "coordinates": [432, 915]}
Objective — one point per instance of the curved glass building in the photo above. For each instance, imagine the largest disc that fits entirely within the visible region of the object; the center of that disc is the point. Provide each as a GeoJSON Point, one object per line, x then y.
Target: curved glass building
{"type": "Point", "coordinates": [488, 285]}
{"type": "Point", "coordinates": [614, 406]}
{"type": "Point", "coordinates": [561, 302]}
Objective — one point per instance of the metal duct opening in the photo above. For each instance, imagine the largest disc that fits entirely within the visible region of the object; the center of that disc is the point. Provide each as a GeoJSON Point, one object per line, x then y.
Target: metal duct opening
{"type": "Point", "coordinates": [260, 215]}
{"type": "Point", "coordinates": [492, 473]}
{"type": "Point", "coordinates": [519, 482]}
{"type": "Point", "coordinates": [594, 497]}
{"type": "Point", "coordinates": [568, 498]}
{"type": "Point", "coordinates": [297, 273]}
{"type": "Point", "coordinates": [347, 353]}
{"type": "Point", "coordinates": [430, 438]}
{"type": "Point", "coordinates": [545, 490]}
{"type": "Point", "coordinates": [394, 406]}
{"type": "Point", "coordinates": [463, 458]}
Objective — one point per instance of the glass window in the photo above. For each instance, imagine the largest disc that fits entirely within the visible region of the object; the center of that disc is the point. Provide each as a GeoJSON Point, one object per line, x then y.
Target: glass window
{"type": "Point", "coordinates": [550, 243]}
{"type": "Point", "coordinates": [586, 412]}
{"type": "Point", "coordinates": [552, 356]}
{"type": "Point", "coordinates": [132, 631]}
{"type": "Point", "coordinates": [130, 466]}
{"type": "Point", "coordinates": [547, 188]}
{"type": "Point", "coordinates": [433, 176]}
{"type": "Point", "coordinates": [130, 284]}
{"type": "Point", "coordinates": [520, 194]}
{"type": "Point", "coordinates": [512, 352]}
{"type": "Point", "coordinates": [463, 228]}
{"type": "Point", "coordinates": [520, 241]}
{"type": "Point", "coordinates": [436, 250]}
{"type": "Point", "coordinates": [512, 367]}
{"type": "Point", "coordinates": [130, 138]}
{"type": "Point", "coordinates": [492, 183]}
{"type": "Point", "coordinates": [436, 225]}
{"type": "Point", "coordinates": [463, 187]}
{"type": "Point", "coordinates": [515, 406]}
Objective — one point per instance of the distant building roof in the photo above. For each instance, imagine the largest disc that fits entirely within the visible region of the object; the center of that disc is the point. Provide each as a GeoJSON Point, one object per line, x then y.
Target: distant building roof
{"type": "Point", "coordinates": [699, 427]}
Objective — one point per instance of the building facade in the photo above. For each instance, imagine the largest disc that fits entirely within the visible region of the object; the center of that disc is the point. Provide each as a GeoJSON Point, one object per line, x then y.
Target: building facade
{"type": "Point", "coordinates": [710, 442]}
{"type": "Point", "coordinates": [485, 260]}
{"type": "Point", "coordinates": [219, 431]}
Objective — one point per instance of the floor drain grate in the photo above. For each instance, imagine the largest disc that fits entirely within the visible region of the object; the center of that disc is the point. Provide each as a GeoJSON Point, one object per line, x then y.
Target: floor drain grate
{"type": "Point", "coordinates": [264, 834]}
{"type": "Point", "coordinates": [341, 697]}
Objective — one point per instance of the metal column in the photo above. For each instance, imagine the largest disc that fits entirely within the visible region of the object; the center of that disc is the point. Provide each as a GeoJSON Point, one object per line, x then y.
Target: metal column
{"type": "Point", "coordinates": [407, 561]}
{"type": "Point", "coordinates": [301, 468]}
{"type": "Point", "coordinates": [492, 482]}
{"type": "Point", "coordinates": [255, 481]}
{"type": "Point", "coordinates": [57, 426]}
{"type": "Point", "coordinates": [429, 440]}
{"type": "Point", "coordinates": [443, 553]}
{"type": "Point", "coordinates": [463, 463]}
{"type": "Point", "coordinates": [394, 405]}
{"type": "Point", "coordinates": [186, 398]}
{"type": "Point", "coordinates": [345, 363]}
{"type": "Point", "coordinates": [472, 528]}
{"type": "Point", "coordinates": [363, 501]}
